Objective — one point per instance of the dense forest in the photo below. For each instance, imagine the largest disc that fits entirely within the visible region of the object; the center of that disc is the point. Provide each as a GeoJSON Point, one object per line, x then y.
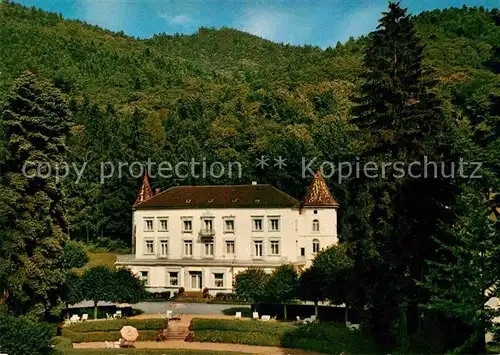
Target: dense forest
{"type": "Point", "coordinates": [220, 94]}
{"type": "Point", "coordinates": [424, 251]}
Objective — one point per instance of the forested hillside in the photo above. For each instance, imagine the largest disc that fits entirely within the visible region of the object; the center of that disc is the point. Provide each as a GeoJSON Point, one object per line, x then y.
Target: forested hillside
{"type": "Point", "coordinates": [221, 94]}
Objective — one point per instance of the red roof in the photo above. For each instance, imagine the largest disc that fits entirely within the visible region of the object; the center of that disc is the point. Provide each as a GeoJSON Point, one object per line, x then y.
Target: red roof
{"type": "Point", "coordinates": [220, 196]}
{"type": "Point", "coordinates": [318, 193]}
{"type": "Point", "coordinates": [145, 192]}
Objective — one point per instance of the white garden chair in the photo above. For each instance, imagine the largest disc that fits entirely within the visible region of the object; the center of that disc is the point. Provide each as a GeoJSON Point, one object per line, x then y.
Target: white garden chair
{"type": "Point", "coordinates": [85, 317]}
{"type": "Point", "coordinates": [109, 316]}
{"type": "Point", "coordinates": [255, 315]}
{"type": "Point", "coordinates": [237, 315]}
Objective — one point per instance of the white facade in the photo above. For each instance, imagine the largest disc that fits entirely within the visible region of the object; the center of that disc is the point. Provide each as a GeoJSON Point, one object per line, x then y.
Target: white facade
{"type": "Point", "coordinates": [199, 248]}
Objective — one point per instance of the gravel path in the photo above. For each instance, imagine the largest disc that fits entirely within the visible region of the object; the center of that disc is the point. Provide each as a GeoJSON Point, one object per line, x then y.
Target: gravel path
{"type": "Point", "coordinates": [178, 344]}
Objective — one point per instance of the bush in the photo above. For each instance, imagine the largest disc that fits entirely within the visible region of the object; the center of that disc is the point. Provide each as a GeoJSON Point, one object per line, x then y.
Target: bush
{"type": "Point", "coordinates": [61, 343]}
{"type": "Point", "coordinates": [237, 337]}
{"type": "Point", "coordinates": [181, 291]}
{"type": "Point", "coordinates": [158, 296]}
{"type": "Point", "coordinates": [326, 313]}
{"type": "Point", "coordinates": [206, 293]}
{"type": "Point", "coordinates": [80, 337]}
{"type": "Point", "coordinates": [117, 324]}
{"type": "Point", "coordinates": [200, 324]}
{"type": "Point", "coordinates": [75, 255]}
{"type": "Point", "coordinates": [329, 338]}
{"type": "Point", "coordinates": [19, 336]}
{"type": "Point", "coordinates": [231, 298]}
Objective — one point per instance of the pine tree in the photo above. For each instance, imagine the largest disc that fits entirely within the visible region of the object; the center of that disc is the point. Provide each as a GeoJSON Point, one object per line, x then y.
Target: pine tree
{"type": "Point", "coordinates": [35, 121]}
{"type": "Point", "coordinates": [469, 273]}
{"type": "Point", "coordinates": [393, 218]}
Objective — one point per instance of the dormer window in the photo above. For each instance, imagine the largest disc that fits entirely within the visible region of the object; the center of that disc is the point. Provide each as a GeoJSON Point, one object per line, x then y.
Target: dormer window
{"type": "Point", "coordinates": [315, 226]}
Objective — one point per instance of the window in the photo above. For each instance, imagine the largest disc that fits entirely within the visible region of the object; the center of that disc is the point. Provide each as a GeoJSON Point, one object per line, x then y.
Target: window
{"type": "Point", "coordinates": [315, 225]}
{"type": "Point", "coordinates": [163, 247]}
{"type": "Point", "coordinates": [275, 247]}
{"type": "Point", "coordinates": [230, 247]}
{"type": "Point", "coordinates": [315, 245]}
{"type": "Point", "coordinates": [208, 225]}
{"type": "Point", "coordinates": [150, 247]}
{"type": "Point", "coordinates": [219, 280]}
{"type": "Point", "coordinates": [173, 278]}
{"type": "Point", "coordinates": [209, 248]}
{"type": "Point", "coordinates": [229, 226]}
{"type": "Point", "coordinates": [257, 244]}
{"type": "Point", "coordinates": [274, 224]}
{"type": "Point", "coordinates": [188, 226]}
{"type": "Point", "coordinates": [163, 225]}
{"type": "Point", "coordinates": [144, 276]}
{"type": "Point", "coordinates": [302, 251]}
{"type": "Point", "coordinates": [148, 224]}
{"type": "Point", "coordinates": [188, 248]}
{"type": "Point", "coordinates": [257, 224]}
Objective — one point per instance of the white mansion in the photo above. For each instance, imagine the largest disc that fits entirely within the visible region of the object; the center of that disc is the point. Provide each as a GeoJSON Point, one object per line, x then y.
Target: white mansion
{"type": "Point", "coordinates": [202, 236]}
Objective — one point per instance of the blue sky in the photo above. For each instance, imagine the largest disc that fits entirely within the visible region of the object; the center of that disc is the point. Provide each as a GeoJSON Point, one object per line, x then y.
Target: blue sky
{"type": "Point", "coordinates": [315, 22]}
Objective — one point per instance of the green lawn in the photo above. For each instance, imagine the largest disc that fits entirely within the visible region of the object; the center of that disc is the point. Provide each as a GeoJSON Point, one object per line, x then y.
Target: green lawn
{"type": "Point", "coordinates": [331, 338]}
{"type": "Point", "coordinates": [101, 258]}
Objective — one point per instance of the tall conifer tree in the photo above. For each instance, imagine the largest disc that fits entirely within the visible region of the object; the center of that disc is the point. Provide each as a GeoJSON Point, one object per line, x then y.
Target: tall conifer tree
{"type": "Point", "coordinates": [394, 216]}
{"type": "Point", "coordinates": [36, 125]}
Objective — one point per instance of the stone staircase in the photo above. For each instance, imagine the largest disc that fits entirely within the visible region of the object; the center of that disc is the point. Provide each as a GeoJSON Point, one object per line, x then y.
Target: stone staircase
{"type": "Point", "coordinates": [177, 331]}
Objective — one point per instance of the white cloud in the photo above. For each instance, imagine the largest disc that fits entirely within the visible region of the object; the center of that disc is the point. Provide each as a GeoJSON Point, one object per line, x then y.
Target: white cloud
{"type": "Point", "coordinates": [359, 23]}
{"type": "Point", "coordinates": [278, 26]}
{"type": "Point", "coordinates": [181, 19]}
{"type": "Point", "coordinates": [110, 14]}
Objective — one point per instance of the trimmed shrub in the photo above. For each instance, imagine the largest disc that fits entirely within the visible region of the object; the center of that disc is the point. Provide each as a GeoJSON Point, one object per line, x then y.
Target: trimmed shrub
{"type": "Point", "coordinates": [159, 296]}
{"type": "Point", "coordinates": [83, 337]}
{"type": "Point", "coordinates": [199, 324]}
{"type": "Point", "coordinates": [61, 343]}
{"type": "Point", "coordinates": [327, 313]}
{"type": "Point", "coordinates": [329, 338]}
{"type": "Point", "coordinates": [20, 336]}
{"type": "Point", "coordinates": [117, 324]}
{"type": "Point", "coordinates": [181, 291]}
{"type": "Point", "coordinates": [230, 298]}
{"type": "Point", "coordinates": [238, 337]}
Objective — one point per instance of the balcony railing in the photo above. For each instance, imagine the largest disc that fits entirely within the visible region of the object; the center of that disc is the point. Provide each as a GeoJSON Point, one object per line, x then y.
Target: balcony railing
{"type": "Point", "coordinates": [206, 233]}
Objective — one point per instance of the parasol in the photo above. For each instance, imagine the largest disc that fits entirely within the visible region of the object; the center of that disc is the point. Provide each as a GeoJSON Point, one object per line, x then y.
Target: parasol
{"type": "Point", "coordinates": [129, 333]}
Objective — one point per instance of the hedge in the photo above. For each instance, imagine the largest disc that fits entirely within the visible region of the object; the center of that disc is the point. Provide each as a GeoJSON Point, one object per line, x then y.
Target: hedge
{"type": "Point", "coordinates": [237, 337]}
{"type": "Point", "coordinates": [61, 343]}
{"type": "Point", "coordinates": [83, 337]}
{"type": "Point", "coordinates": [117, 324]}
{"type": "Point", "coordinates": [326, 313]}
{"type": "Point", "coordinates": [199, 324]}
{"type": "Point", "coordinates": [329, 338]}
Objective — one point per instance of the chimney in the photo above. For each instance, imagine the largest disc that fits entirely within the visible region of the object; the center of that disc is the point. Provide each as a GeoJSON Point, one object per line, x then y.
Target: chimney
{"type": "Point", "coordinates": [254, 182]}
{"type": "Point", "coordinates": [157, 191]}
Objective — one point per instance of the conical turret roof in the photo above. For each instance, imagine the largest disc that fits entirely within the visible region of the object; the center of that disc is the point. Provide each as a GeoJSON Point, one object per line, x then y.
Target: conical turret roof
{"type": "Point", "coordinates": [318, 193]}
{"type": "Point", "coordinates": [145, 192]}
